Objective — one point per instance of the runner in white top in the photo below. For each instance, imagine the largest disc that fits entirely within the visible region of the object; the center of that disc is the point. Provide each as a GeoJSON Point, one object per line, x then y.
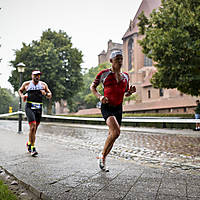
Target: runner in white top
{"type": "Point", "coordinates": [35, 90]}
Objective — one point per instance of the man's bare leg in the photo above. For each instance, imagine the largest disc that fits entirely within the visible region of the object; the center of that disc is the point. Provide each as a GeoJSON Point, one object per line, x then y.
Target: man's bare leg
{"type": "Point", "coordinates": [114, 132]}
{"type": "Point", "coordinates": [32, 133]}
{"type": "Point", "coordinates": [32, 137]}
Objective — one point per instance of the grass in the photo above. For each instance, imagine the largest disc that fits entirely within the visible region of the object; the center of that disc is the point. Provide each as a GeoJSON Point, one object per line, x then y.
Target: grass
{"type": "Point", "coordinates": [5, 193]}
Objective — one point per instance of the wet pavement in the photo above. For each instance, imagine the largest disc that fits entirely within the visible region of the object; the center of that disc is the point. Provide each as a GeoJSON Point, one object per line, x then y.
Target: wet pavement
{"type": "Point", "coordinates": [145, 163]}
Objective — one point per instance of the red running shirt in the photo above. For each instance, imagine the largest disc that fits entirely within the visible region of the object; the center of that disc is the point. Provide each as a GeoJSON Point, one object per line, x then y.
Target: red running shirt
{"type": "Point", "coordinates": [113, 90]}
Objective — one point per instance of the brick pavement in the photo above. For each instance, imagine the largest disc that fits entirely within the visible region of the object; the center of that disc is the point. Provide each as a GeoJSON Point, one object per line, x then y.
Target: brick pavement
{"type": "Point", "coordinates": [178, 147]}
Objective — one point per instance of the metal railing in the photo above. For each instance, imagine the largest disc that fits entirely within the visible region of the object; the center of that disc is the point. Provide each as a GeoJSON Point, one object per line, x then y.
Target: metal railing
{"type": "Point", "coordinates": [130, 121]}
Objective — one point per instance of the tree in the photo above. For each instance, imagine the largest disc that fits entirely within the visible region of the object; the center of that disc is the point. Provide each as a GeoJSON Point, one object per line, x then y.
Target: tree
{"type": "Point", "coordinates": [7, 100]}
{"type": "Point", "coordinates": [59, 62]}
{"type": "Point", "coordinates": [172, 40]}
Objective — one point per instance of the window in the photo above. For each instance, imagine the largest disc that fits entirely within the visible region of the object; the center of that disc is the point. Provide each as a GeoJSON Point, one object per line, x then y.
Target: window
{"type": "Point", "coordinates": [149, 94]}
{"type": "Point", "coordinates": [147, 61]}
{"type": "Point", "coordinates": [161, 92]}
{"type": "Point", "coordinates": [130, 53]}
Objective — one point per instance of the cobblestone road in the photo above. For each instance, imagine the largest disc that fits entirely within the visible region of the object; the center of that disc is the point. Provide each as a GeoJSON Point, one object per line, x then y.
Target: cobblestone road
{"type": "Point", "coordinates": [179, 148]}
{"type": "Point", "coordinates": [175, 150]}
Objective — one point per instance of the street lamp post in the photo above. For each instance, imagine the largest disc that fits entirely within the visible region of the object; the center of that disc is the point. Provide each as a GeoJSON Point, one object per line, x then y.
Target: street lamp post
{"type": "Point", "coordinates": [20, 69]}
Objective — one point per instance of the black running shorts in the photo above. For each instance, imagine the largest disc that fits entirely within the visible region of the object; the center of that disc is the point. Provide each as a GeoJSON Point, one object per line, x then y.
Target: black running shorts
{"type": "Point", "coordinates": [33, 114]}
{"type": "Point", "coordinates": [109, 110]}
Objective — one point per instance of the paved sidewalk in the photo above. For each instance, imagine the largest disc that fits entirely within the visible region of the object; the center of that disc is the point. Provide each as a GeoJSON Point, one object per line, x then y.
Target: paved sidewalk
{"type": "Point", "coordinates": [63, 171]}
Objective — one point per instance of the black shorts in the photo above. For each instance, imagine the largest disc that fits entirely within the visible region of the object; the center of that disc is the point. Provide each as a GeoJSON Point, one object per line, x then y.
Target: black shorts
{"type": "Point", "coordinates": [109, 110]}
{"type": "Point", "coordinates": [33, 115]}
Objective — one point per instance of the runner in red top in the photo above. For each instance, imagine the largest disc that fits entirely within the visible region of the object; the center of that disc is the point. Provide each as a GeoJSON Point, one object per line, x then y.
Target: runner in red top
{"type": "Point", "coordinates": [113, 89]}
{"type": "Point", "coordinates": [116, 85]}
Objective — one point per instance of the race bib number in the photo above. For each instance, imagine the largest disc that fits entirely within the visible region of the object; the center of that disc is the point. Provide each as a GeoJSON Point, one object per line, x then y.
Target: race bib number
{"type": "Point", "coordinates": [36, 106]}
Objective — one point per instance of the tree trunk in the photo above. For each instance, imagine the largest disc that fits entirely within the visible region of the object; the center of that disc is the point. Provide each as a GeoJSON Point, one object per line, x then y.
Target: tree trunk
{"type": "Point", "coordinates": [49, 107]}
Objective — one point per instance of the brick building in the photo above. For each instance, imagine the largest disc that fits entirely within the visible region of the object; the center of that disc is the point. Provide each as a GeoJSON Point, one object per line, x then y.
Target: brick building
{"type": "Point", "coordinates": [141, 69]}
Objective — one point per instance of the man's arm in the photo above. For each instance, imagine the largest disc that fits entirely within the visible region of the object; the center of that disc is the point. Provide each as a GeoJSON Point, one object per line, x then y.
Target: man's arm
{"type": "Point", "coordinates": [48, 93]}
{"type": "Point", "coordinates": [21, 90]}
{"type": "Point", "coordinates": [93, 89]}
{"type": "Point", "coordinates": [102, 98]}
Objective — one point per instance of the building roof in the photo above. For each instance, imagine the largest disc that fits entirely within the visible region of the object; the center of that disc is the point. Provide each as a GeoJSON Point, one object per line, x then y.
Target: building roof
{"type": "Point", "coordinates": [147, 6]}
{"type": "Point", "coordinates": [166, 103]}
{"type": "Point", "coordinates": [147, 80]}
{"type": "Point", "coordinates": [91, 111]}
{"type": "Point", "coordinates": [102, 53]}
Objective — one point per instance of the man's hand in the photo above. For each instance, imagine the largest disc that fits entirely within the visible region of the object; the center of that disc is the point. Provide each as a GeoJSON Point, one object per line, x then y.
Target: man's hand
{"type": "Point", "coordinates": [24, 98]}
{"type": "Point", "coordinates": [48, 95]}
{"type": "Point", "coordinates": [43, 92]}
{"type": "Point", "coordinates": [103, 99]}
{"type": "Point", "coordinates": [132, 89]}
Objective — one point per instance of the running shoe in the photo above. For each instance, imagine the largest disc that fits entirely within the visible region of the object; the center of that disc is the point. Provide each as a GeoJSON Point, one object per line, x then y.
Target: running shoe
{"type": "Point", "coordinates": [28, 147]}
{"type": "Point", "coordinates": [34, 152]}
{"type": "Point", "coordinates": [102, 162]}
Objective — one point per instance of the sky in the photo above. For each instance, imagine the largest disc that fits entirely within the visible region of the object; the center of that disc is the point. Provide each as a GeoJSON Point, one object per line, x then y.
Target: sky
{"type": "Point", "coordinates": [89, 23]}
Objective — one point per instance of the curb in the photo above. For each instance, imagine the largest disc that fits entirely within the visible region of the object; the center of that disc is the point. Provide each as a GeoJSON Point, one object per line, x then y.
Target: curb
{"type": "Point", "coordinates": [31, 189]}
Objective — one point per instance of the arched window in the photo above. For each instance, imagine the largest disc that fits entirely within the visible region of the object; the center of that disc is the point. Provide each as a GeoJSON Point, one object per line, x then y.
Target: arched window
{"type": "Point", "coordinates": [161, 92]}
{"type": "Point", "coordinates": [130, 53]}
{"type": "Point", "coordinates": [147, 61]}
{"type": "Point", "coordinates": [149, 94]}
